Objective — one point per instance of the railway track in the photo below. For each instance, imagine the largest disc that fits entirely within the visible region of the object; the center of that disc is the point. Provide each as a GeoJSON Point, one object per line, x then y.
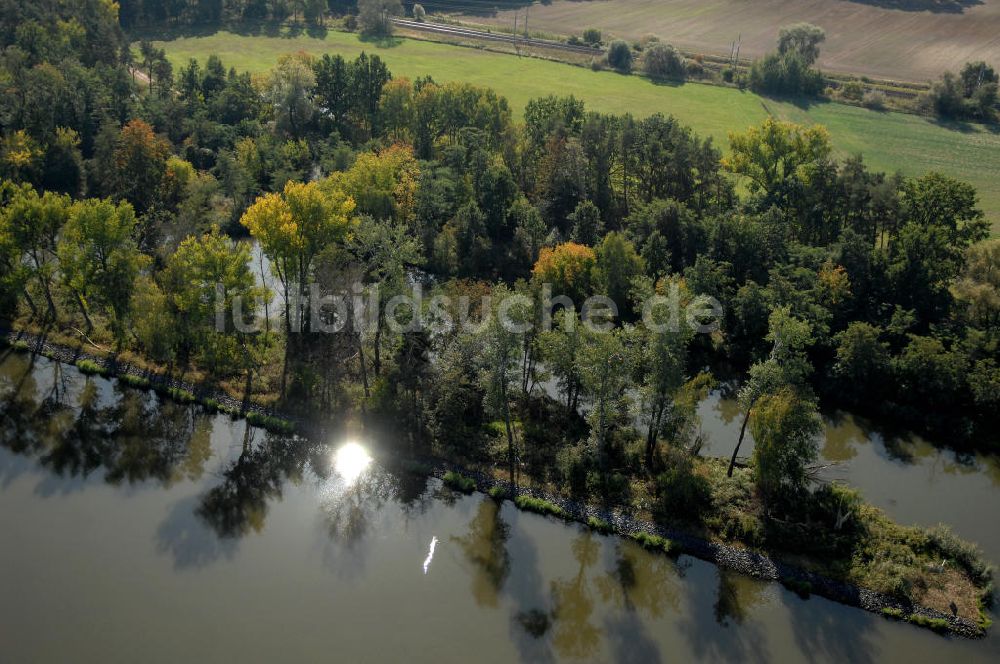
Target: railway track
{"type": "Point", "coordinates": [521, 40]}
{"type": "Point", "coordinates": [470, 33]}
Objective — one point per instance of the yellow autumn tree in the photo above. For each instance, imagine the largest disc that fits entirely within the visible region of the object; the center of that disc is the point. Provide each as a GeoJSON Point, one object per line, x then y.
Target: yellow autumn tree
{"type": "Point", "coordinates": [384, 183]}
{"type": "Point", "coordinates": [293, 227]}
{"type": "Point", "coordinates": [568, 267]}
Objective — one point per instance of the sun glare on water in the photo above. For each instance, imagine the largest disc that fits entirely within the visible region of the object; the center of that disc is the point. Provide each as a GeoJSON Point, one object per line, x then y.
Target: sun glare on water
{"type": "Point", "coordinates": [350, 461]}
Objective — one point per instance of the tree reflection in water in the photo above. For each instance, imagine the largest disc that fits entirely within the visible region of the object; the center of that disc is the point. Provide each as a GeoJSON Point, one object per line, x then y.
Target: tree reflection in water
{"type": "Point", "coordinates": [348, 511]}
{"type": "Point", "coordinates": [736, 597]}
{"type": "Point", "coordinates": [573, 632]}
{"type": "Point", "coordinates": [639, 584]}
{"type": "Point", "coordinates": [80, 425]}
{"type": "Point", "coordinates": [485, 548]}
{"type": "Point", "coordinates": [642, 581]}
{"type": "Point", "coordinates": [238, 504]}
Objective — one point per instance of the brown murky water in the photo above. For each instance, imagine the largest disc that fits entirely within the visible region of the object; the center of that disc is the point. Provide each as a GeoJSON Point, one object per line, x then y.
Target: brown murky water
{"type": "Point", "coordinates": [134, 530]}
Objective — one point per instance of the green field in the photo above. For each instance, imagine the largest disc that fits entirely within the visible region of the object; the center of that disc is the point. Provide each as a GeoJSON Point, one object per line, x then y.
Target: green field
{"type": "Point", "coordinates": [889, 141]}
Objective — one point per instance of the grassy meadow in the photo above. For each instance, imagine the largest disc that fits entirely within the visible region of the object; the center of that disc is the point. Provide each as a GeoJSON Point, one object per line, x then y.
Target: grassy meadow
{"type": "Point", "coordinates": [889, 141]}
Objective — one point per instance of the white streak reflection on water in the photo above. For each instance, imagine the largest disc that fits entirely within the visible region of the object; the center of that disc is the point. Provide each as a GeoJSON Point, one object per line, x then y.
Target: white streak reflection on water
{"type": "Point", "coordinates": [430, 554]}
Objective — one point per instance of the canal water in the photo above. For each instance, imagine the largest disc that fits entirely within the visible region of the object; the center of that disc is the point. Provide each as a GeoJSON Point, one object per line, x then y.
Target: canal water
{"type": "Point", "coordinates": [139, 530]}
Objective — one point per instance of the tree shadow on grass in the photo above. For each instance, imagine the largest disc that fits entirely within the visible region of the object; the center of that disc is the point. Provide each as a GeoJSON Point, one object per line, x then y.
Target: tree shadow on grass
{"type": "Point", "coordinates": [667, 82]}
{"type": "Point", "coordinates": [966, 127]}
{"type": "Point", "coordinates": [274, 29]}
{"type": "Point", "coordinates": [381, 41]}
{"type": "Point", "coordinates": [487, 9]}
{"type": "Point", "coordinates": [801, 102]}
{"type": "Point", "coordinates": [933, 6]}
{"type": "Point", "coordinates": [961, 126]}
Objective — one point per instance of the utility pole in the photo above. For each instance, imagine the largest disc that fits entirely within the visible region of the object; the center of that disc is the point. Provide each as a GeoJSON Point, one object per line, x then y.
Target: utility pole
{"type": "Point", "coordinates": [516, 48]}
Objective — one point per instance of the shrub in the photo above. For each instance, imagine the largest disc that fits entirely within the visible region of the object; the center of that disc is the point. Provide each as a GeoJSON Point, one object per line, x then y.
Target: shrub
{"type": "Point", "coordinates": [90, 367]}
{"type": "Point", "coordinates": [572, 463]}
{"type": "Point", "coordinates": [540, 506]}
{"type": "Point", "coordinates": [964, 554]}
{"type": "Point", "coordinates": [787, 74]}
{"type": "Point", "coordinates": [800, 587]}
{"type": "Point", "coordinates": [892, 612]}
{"type": "Point", "coordinates": [270, 422]}
{"type": "Point", "coordinates": [180, 395]}
{"type": "Point", "coordinates": [620, 56]}
{"type": "Point", "coordinates": [498, 494]}
{"type": "Point", "coordinates": [654, 542]}
{"type": "Point", "coordinates": [20, 345]}
{"type": "Point", "coordinates": [495, 429]}
{"type": "Point", "coordinates": [946, 98]}
{"type": "Point", "coordinates": [936, 624]}
{"type": "Point", "coordinates": [592, 36]}
{"type": "Point", "coordinates": [351, 22]}
{"type": "Point", "coordinates": [600, 525]}
{"type": "Point", "coordinates": [459, 482]}
{"type": "Point", "coordinates": [739, 526]}
{"type": "Point", "coordinates": [663, 61]}
{"type": "Point", "coordinates": [682, 493]}
{"type": "Point", "coordinates": [419, 13]}
{"type": "Point", "coordinates": [694, 69]}
{"type": "Point", "coordinates": [853, 90]}
{"type": "Point", "coordinates": [874, 100]}
{"type": "Point", "coordinates": [971, 95]}
{"type": "Point", "coordinates": [134, 381]}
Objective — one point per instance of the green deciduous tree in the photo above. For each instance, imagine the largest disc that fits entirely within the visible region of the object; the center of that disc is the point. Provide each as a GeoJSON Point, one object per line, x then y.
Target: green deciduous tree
{"type": "Point", "coordinates": [385, 250]}
{"type": "Point", "coordinates": [775, 153]}
{"type": "Point", "coordinates": [587, 225]}
{"type": "Point", "coordinates": [978, 285]}
{"type": "Point", "coordinates": [33, 223]}
{"type": "Point", "coordinates": [620, 55]}
{"type": "Point", "coordinates": [560, 348]}
{"type": "Point", "coordinates": [802, 39]}
{"type": "Point", "coordinates": [786, 366]}
{"type": "Point", "coordinates": [617, 266]}
{"type": "Point", "coordinates": [204, 278]}
{"type": "Point", "coordinates": [502, 342]}
{"type": "Point", "coordinates": [602, 360]}
{"type": "Point", "coordinates": [375, 15]}
{"type": "Point", "coordinates": [289, 88]}
{"type": "Point", "coordinates": [100, 260]}
{"type": "Point", "coordinates": [785, 429]}
{"type": "Point", "coordinates": [661, 360]}
{"type": "Point", "coordinates": [663, 61]}
{"type": "Point", "coordinates": [862, 363]}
